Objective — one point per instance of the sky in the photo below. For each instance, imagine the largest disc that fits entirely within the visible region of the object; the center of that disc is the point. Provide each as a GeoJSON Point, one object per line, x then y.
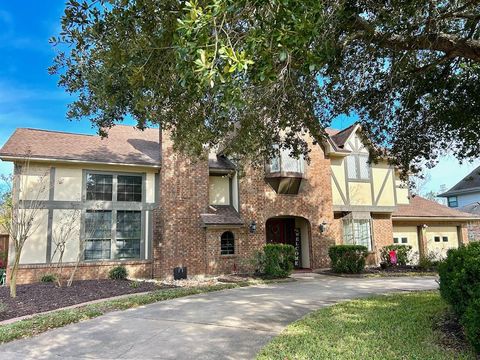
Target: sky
{"type": "Point", "coordinates": [30, 97]}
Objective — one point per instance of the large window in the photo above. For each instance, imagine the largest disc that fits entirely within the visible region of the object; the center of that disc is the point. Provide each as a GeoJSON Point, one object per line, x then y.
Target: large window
{"type": "Point", "coordinates": [227, 243]}
{"type": "Point", "coordinates": [99, 187]}
{"type": "Point", "coordinates": [129, 230]}
{"type": "Point", "coordinates": [129, 188]}
{"type": "Point", "coordinates": [357, 232]}
{"type": "Point", "coordinates": [98, 232]}
{"type": "Point", "coordinates": [358, 167]}
{"type": "Point", "coordinates": [113, 224]}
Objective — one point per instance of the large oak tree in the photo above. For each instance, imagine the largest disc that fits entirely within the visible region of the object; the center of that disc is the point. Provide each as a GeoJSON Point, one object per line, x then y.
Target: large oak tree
{"type": "Point", "coordinates": [239, 73]}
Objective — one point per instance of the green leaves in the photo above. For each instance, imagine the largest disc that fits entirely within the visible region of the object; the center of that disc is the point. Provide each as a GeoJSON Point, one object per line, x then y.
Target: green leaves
{"type": "Point", "coordinates": [268, 68]}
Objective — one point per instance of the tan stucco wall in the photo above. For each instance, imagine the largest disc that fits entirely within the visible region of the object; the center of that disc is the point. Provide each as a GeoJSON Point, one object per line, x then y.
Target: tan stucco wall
{"type": "Point", "coordinates": [302, 224]}
{"type": "Point", "coordinates": [219, 190]}
{"type": "Point", "coordinates": [34, 182]}
{"type": "Point", "coordinates": [338, 170]}
{"type": "Point", "coordinates": [383, 185]}
{"type": "Point", "coordinates": [360, 193]}
{"type": "Point", "coordinates": [35, 247]}
{"type": "Point", "coordinates": [63, 220]}
{"type": "Point", "coordinates": [68, 184]}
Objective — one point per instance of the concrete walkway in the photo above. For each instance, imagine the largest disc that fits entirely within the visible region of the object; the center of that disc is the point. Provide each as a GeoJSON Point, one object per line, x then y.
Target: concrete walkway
{"type": "Point", "coordinates": [230, 324]}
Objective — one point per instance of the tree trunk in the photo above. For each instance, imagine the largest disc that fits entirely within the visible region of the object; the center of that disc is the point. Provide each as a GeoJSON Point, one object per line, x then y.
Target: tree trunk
{"type": "Point", "coordinates": [13, 275]}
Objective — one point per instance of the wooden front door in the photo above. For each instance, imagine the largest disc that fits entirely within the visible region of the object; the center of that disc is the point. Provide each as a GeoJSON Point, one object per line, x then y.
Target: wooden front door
{"type": "Point", "coordinates": [281, 231]}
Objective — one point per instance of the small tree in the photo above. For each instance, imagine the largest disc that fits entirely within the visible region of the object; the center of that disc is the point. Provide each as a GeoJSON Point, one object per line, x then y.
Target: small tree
{"type": "Point", "coordinates": [93, 226]}
{"type": "Point", "coordinates": [61, 236]}
{"type": "Point", "coordinates": [20, 212]}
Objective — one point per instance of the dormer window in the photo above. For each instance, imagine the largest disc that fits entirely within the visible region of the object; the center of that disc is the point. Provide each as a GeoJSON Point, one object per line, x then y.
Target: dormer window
{"type": "Point", "coordinates": [358, 167]}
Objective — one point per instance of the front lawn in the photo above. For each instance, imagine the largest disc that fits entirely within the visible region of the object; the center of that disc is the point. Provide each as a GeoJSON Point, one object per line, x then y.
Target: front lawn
{"type": "Point", "coordinates": [400, 326]}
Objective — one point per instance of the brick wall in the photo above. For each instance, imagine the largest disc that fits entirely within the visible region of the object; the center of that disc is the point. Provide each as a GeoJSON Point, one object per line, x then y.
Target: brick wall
{"type": "Point", "coordinates": [259, 202]}
{"type": "Point", "coordinates": [382, 229]}
{"type": "Point", "coordinates": [85, 271]}
{"type": "Point", "coordinates": [180, 239]}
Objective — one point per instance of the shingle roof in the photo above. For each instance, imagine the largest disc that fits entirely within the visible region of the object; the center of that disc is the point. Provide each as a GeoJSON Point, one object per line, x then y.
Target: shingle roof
{"type": "Point", "coordinates": [124, 145]}
{"type": "Point", "coordinates": [342, 136]}
{"type": "Point", "coordinates": [469, 183]}
{"type": "Point", "coordinates": [221, 215]}
{"type": "Point", "coordinates": [471, 208]}
{"type": "Point", "coordinates": [220, 162]}
{"type": "Point", "coordinates": [420, 207]}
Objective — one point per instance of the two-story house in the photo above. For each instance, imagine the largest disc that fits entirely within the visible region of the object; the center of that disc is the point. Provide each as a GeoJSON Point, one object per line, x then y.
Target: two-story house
{"type": "Point", "coordinates": [132, 200]}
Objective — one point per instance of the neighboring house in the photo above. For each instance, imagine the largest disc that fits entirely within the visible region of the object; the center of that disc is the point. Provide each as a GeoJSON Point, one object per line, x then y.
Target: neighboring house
{"type": "Point", "coordinates": [465, 192]}
{"type": "Point", "coordinates": [154, 210]}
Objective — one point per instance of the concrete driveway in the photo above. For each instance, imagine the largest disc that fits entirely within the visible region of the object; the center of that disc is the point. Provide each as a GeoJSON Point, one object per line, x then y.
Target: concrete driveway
{"type": "Point", "coordinates": [230, 324]}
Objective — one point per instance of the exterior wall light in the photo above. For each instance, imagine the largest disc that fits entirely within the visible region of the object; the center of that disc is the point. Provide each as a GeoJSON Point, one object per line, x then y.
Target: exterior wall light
{"type": "Point", "coordinates": [323, 227]}
{"type": "Point", "coordinates": [253, 227]}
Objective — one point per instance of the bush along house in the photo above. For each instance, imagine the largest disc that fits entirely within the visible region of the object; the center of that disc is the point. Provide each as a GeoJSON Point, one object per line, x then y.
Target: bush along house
{"type": "Point", "coordinates": [131, 199]}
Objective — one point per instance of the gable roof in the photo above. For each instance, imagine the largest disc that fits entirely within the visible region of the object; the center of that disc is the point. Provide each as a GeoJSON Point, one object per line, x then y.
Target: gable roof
{"type": "Point", "coordinates": [470, 183]}
{"type": "Point", "coordinates": [420, 207]}
{"type": "Point", "coordinates": [124, 145]}
{"type": "Point", "coordinates": [341, 137]}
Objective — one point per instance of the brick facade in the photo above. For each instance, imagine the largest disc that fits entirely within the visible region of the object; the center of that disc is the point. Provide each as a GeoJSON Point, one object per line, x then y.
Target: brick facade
{"type": "Point", "coordinates": [85, 271]}
{"type": "Point", "coordinates": [180, 239]}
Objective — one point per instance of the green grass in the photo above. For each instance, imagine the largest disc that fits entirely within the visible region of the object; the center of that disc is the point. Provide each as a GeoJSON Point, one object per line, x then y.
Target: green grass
{"type": "Point", "coordinates": [399, 326]}
{"type": "Point", "coordinates": [42, 323]}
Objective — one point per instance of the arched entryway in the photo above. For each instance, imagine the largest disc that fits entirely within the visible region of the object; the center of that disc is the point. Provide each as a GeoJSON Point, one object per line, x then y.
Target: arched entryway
{"type": "Point", "coordinates": [292, 230]}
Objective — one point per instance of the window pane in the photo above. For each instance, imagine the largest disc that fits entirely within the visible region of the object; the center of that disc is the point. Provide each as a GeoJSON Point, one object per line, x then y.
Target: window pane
{"type": "Point", "coordinates": [445, 239]}
{"type": "Point", "coordinates": [364, 167]}
{"type": "Point", "coordinates": [129, 232]}
{"type": "Point", "coordinates": [395, 240]}
{"type": "Point", "coordinates": [437, 238]}
{"type": "Point", "coordinates": [352, 167]}
{"type": "Point", "coordinates": [129, 188]}
{"type": "Point", "coordinates": [99, 187]}
{"type": "Point", "coordinates": [291, 164]}
{"type": "Point", "coordinates": [348, 232]}
{"type": "Point", "coordinates": [227, 243]}
{"type": "Point", "coordinates": [404, 240]}
{"type": "Point", "coordinates": [98, 234]}
{"type": "Point", "coordinates": [362, 233]}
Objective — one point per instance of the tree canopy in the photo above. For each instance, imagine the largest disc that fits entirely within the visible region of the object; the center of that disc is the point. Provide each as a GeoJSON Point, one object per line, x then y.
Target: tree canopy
{"type": "Point", "coordinates": [247, 74]}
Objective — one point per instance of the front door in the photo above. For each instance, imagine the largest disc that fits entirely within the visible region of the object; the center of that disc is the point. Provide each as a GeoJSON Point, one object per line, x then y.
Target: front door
{"type": "Point", "coordinates": [283, 231]}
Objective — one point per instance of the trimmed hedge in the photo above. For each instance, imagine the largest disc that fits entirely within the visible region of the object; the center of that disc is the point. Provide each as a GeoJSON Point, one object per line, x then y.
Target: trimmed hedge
{"type": "Point", "coordinates": [460, 286]}
{"type": "Point", "coordinates": [348, 258]}
{"type": "Point", "coordinates": [279, 260]}
{"type": "Point", "coordinates": [403, 251]}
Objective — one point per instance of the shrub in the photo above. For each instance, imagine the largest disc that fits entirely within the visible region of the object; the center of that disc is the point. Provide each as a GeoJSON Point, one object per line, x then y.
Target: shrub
{"type": "Point", "coordinates": [403, 253]}
{"type": "Point", "coordinates": [430, 261]}
{"type": "Point", "coordinates": [278, 260]}
{"type": "Point", "coordinates": [118, 273]}
{"type": "Point", "coordinates": [471, 323]}
{"type": "Point", "coordinates": [348, 258]}
{"type": "Point", "coordinates": [48, 278]}
{"type": "Point", "coordinates": [460, 286]}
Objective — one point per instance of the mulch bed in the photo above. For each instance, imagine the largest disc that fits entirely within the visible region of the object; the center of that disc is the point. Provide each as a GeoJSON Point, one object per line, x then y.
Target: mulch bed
{"type": "Point", "coordinates": [41, 297]}
{"type": "Point", "coordinates": [398, 270]}
{"type": "Point", "coordinates": [451, 332]}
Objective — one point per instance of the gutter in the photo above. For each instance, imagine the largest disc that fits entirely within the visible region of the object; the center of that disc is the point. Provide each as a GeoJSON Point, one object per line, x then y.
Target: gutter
{"type": "Point", "coordinates": [80, 162]}
{"type": "Point", "coordinates": [432, 218]}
